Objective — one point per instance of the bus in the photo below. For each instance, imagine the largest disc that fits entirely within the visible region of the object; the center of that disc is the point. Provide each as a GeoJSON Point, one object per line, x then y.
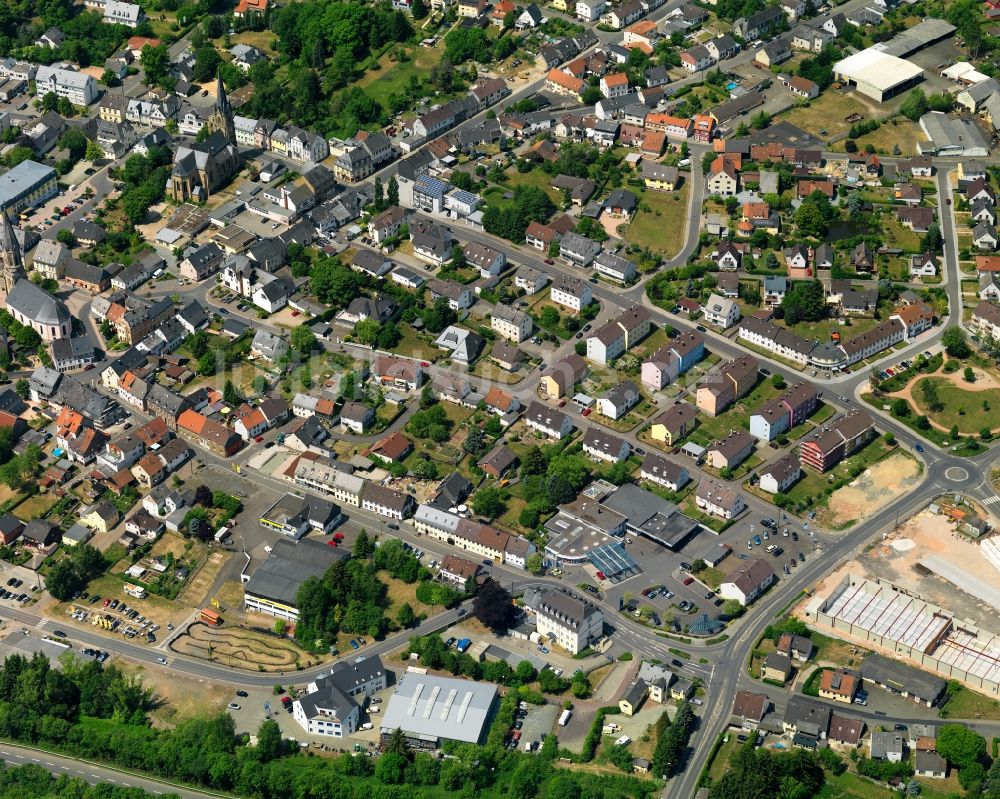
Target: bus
{"type": "Point", "coordinates": [209, 616]}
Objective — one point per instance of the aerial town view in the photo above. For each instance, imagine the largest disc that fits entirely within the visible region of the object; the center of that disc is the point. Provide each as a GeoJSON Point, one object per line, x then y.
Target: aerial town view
{"type": "Point", "coordinates": [408, 399]}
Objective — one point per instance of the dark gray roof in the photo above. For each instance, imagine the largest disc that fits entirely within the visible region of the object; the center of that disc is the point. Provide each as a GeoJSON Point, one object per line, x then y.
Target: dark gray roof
{"type": "Point", "coordinates": [37, 304]}
{"type": "Point", "coordinates": [289, 565]}
{"type": "Point", "coordinates": [916, 683]}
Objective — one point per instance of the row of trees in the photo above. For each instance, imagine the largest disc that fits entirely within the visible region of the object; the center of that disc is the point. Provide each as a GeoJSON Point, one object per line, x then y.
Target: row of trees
{"type": "Point", "coordinates": [100, 714]}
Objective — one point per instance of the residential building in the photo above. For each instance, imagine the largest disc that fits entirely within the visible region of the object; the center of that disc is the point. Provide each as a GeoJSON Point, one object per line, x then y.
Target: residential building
{"type": "Point", "coordinates": [717, 499]}
{"type": "Point", "coordinates": [511, 323]}
{"type": "Point", "coordinates": [781, 475]}
{"type": "Point", "coordinates": [840, 685]}
{"type": "Point", "coordinates": [674, 424]}
{"type": "Point", "coordinates": [663, 472]}
{"type": "Point", "coordinates": [721, 311]}
{"type": "Point", "coordinates": [619, 335]}
{"type": "Point", "coordinates": [569, 621]}
{"type": "Point", "coordinates": [562, 376]}
{"type": "Point", "coordinates": [730, 451]}
{"type": "Point", "coordinates": [548, 421]}
{"type": "Point", "coordinates": [572, 293]}
{"type": "Point", "coordinates": [79, 88]}
{"type": "Point", "coordinates": [827, 446]}
{"type": "Point", "coordinates": [748, 582]}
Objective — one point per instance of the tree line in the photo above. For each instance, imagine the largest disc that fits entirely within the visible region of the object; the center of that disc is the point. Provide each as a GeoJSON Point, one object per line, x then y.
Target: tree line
{"type": "Point", "coordinates": [97, 713]}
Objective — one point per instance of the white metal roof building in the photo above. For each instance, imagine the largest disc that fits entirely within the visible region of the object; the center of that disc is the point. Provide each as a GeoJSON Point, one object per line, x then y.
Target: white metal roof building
{"type": "Point", "coordinates": [877, 74]}
{"type": "Point", "coordinates": [954, 136]}
{"type": "Point", "coordinates": [430, 709]}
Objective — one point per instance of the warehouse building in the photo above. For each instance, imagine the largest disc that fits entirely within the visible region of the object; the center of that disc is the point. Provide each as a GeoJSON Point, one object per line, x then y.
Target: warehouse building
{"type": "Point", "coordinates": [273, 588]}
{"type": "Point", "coordinates": [878, 74]}
{"type": "Point", "coordinates": [430, 710]}
{"type": "Point", "coordinates": [954, 136]}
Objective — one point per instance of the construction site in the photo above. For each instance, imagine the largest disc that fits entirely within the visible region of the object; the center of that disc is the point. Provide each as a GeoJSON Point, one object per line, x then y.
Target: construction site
{"type": "Point", "coordinates": [887, 617]}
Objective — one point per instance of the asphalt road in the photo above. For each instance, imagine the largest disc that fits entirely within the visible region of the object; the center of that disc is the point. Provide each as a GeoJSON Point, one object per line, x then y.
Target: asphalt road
{"type": "Point", "coordinates": [94, 773]}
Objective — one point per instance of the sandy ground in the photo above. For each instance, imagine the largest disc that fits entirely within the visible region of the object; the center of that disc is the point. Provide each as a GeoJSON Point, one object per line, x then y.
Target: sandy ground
{"type": "Point", "coordinates": [179, 698]}
{"type": "Point", "coordinates": [873, 489]}
{"type": "Point", "coordinates": [611, 224]}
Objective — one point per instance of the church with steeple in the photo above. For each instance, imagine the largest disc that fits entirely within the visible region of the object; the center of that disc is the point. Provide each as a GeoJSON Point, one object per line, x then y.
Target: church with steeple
{"type": "Point", "coordinates": [11, 257]}
{"type": "Point", "coordinates": [221, 120]}
{"type": "Point", "coordinates": [202, 168]}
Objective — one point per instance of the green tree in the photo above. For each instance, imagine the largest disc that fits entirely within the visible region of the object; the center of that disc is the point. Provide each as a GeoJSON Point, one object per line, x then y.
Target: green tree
{"type": "Point", "coordinates": [960, 746]}
{"type": "Point", "coordinates": [367, 330]}
{"type": "Point", "coordinates": [155, 64]}
{"type": "Point", "coordinates": [405, 615]}
{"type": "Point", "coordinates": [954, 342]}
{"type": "Point", "coordinates": [269, 740]}
{"type": "Point", "coordinates": [534, 563]}
{"type": "Point", "coordinates": [93, 152]}
{"type": "Point", "coordinates": [303, 339]}
{"type": "Point", "coordinates": [489, 502]}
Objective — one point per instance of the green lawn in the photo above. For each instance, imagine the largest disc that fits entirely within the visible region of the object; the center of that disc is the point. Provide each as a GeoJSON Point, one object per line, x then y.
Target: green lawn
{"type": "Point", "coordinates": [851, 786]}
{"type": "Point", "coordinates": [662, 228]}
{"type": "Point", "coordinates": [967, 704]}
{"type": "Point", "coordinates": [820, 331]}
{"type": "Point", "coordinates": [895, 234]}
{"type": "Point", "coordinates": [536, 178]}
{"type": "Point", "coordinates": [961, 407]}
{"type": "Point", "coordinates": [822, 414]}
{"type": "Point", "coordinates": [393, 77]}
{"type": "Point", "coordinates": [814, 484]}
{"type": "Point", "coordinates": [736, 418]}
{"type": "Point", "coordinates": [413, 345]}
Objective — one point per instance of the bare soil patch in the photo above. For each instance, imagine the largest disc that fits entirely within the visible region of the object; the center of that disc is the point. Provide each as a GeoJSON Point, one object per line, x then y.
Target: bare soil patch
{"type": "Point", "coordinates": [872, 490]}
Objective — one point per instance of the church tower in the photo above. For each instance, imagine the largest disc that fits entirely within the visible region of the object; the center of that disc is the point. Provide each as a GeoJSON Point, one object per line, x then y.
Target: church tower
{"type": "Point", "coordinates": [11, 258]}
{"type": "Point", "coordinates": [222, 117]}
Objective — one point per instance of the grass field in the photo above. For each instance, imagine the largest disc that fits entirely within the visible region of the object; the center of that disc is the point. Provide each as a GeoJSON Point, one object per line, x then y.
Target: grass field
{"type": "Point", "coordinates": [536, 178]}
{"type": "Point", "coordinates": [967, 704]}
{"type": "Point", "coordinates": [820, 331]}
{"type": "Point", "coordinates": [898, 235]}
{"type": "Point", "coordinates": [664, 226]}
{"type": "Point", "coordinates": [828, 113]}
{"type": "Point", "coordinates": [813, 484]}
{"type": "Point", "coordinates": [961, 407]}
{"type": "Point", "coordinates": [904, 133]}
{"type": "Point", "coordinates": [413, 345]}
{"type": "Point", "coordinates": [851, 786]}
{"type": "Point", "coordinates": [36, 506]}
{"type": "Point", "coordinates": [393, 77]}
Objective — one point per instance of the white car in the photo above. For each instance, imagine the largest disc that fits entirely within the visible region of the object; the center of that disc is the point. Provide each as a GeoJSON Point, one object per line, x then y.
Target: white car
{"type": "Point", "coordinates": [162, 661]}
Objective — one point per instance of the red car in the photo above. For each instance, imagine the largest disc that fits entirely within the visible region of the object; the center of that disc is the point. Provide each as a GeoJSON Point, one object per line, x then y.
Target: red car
{"type": "Point", "coordinates": [338, 536]}
{"type": "Point", "coordinates": [286, 700]}
{"type": "Point", "coordinates": [549, 261]}
{"type": "Point", "coordinates": [601, 576]}
{"type": "Point", "coordinates": [259, 439]}
{"type": "Point", "coordinates": [586, 412]}
{"type": "Point", "coordinates": [688, 580]}
{"type": "Point", "coordinates": [424, 364]}
{"type": "Point", "coordinates": [331, 543]}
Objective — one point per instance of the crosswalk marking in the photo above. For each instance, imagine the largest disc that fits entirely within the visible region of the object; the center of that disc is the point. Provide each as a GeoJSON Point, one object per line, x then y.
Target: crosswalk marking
{"type": "Point", "coordinates": [41, 623]}
{"type": "Point", "coordinates": [991, 500]}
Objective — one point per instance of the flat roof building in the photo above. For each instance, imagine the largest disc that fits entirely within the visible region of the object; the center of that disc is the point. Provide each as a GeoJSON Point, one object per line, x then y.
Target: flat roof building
{"type": "Point", "coordinates": [430, 710]}
{"type": "Point", "coordinates": [272, 589]}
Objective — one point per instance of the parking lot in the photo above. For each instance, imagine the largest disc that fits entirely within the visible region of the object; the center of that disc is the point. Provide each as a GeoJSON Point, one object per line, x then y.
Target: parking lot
{"type": "Point", "coordinates": [681, 593]}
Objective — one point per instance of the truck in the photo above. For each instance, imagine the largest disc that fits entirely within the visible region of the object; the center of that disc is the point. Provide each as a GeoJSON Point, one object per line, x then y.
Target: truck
{"type": "Point", "coordinates": [565, 717]}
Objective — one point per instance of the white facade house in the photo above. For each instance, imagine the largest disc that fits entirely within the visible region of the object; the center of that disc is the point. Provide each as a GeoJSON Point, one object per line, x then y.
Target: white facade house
{"type": "Point", "coordinates": [511, 323]}
{"type": "Point", "coordinates": [330, 705]}
{"type": "Point", "coordinates": [77, 87]}
{"type": "Point", "coordinates": [570, 622]}
{"type": "Point", "coordinates": [721, 311]}
{"type": "Point", "coordinates": [548, 421]}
